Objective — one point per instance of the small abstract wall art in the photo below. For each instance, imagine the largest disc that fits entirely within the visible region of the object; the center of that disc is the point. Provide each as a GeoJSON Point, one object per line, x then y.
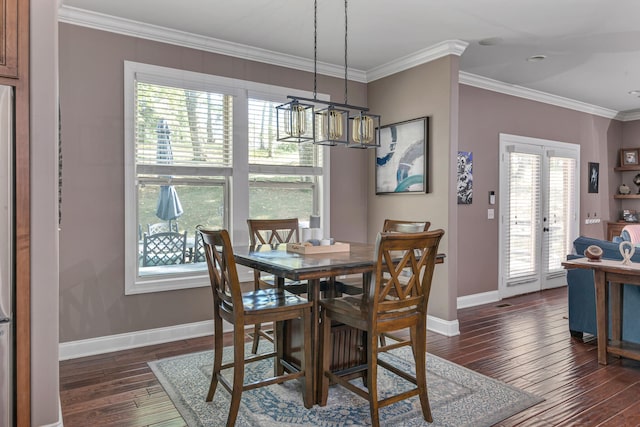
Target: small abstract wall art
{"type": "Point", "coordinates": [465, 177]}
{"type": "Point", "coordinates": [594, 177]}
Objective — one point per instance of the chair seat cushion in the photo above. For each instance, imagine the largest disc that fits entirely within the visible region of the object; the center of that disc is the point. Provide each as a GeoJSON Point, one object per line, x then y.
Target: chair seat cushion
{"type": "Point", "coordinates": [272, 298]}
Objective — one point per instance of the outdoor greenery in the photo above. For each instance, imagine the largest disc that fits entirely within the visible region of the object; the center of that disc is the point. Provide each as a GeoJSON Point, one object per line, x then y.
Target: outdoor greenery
{"type": "Point", "coordinates": [204, 205]}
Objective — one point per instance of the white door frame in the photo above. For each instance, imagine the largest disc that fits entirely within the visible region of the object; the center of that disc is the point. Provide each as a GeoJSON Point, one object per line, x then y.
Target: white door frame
{"type": "Point", "coordinates": [505, 141]}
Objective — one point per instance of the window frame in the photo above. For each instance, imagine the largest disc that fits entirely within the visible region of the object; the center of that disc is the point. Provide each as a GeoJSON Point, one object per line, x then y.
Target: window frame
{"type": "Point", "coordinates": [236, 184]}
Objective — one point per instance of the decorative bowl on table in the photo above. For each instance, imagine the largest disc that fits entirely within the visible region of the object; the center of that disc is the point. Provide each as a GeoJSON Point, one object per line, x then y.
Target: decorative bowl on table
{"type": "Point", "coordinates": [593, 253]}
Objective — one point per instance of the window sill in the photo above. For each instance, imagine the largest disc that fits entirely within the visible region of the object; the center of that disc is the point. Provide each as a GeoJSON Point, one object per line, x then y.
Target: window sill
{"type": "Point", "coordinates": [175, 277]}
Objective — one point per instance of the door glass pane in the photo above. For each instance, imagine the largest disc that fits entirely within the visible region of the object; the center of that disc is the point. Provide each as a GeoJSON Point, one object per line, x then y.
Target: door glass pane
{"type": "Point", "coordinates": [561, 211]}
{"type": "Point", "coordinates": [523, 215]}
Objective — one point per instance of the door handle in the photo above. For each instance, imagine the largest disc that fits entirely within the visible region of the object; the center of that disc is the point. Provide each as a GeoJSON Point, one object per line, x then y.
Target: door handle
{"type": "Point", "coordinates": [545, 229]}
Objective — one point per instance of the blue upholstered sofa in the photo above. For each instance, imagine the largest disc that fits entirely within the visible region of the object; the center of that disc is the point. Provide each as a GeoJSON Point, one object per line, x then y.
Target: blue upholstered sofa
{"type": "Point", "coordinates": [582, 305]}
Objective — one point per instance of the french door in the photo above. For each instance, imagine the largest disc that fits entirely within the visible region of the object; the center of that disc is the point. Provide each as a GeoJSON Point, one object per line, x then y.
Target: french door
{"type": "Point", "coordinates": [539, 216]}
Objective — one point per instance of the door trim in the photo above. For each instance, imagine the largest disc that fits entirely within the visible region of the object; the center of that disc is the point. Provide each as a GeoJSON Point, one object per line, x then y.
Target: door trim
{"type": "Point", "coordinates": [506, 140]}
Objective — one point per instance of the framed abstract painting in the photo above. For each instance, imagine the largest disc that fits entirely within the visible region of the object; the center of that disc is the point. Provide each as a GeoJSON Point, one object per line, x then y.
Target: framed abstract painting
{"type": "Point", "coordinates": [402, 158]}
{"type": "Point", "coordinates": [465, 177]}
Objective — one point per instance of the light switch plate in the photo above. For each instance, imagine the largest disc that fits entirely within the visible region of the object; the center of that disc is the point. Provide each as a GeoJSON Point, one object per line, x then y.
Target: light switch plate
{"type": "Point", "coordinates": [491, 213]}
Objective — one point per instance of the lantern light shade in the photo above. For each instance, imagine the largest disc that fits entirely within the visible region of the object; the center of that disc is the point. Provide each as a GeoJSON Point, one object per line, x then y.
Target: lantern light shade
{"type": "Point", "coordinates": [364, 130]}
{"type": "Point", "coordinates": [332, 126]}
{"type": "Point", "coordinates": [294, 122]}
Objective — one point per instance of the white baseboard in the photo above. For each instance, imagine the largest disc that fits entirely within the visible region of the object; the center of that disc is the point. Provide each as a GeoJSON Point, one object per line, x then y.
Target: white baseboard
{"type": "Point", "coordinates": [58, 423]}
{"type": "Point", "coordinates": [448, 328]}
{"type": "Point", "coordinates": [107, 344]}
{"type": "Point", "coordinates": [478, 299]}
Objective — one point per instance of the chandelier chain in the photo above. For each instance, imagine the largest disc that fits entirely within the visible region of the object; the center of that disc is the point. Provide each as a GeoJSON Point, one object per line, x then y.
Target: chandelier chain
{"type": "Point", "coordinates": [315, 48]}
{"type": "Point", "coordinates": [345, 51]}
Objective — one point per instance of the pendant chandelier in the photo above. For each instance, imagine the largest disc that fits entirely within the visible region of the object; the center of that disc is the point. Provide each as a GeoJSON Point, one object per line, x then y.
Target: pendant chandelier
{"type": "Point", "coordinates": [333, 123]}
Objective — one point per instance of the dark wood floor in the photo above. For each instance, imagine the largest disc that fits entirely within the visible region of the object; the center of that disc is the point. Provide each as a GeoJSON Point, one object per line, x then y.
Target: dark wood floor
{"type": "Point", "coordinates": [523, 341]}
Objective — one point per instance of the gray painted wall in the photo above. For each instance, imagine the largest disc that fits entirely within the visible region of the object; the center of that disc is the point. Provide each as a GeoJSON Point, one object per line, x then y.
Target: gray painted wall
{"type": "Point", "coordinates": [483, 116]}
{"type": "Point", "coordinates": [426, 90]}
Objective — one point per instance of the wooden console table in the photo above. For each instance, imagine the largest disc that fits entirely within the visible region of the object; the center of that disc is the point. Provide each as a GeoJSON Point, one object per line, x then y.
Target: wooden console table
{"type": "Point", "coordinates": [614, 273]}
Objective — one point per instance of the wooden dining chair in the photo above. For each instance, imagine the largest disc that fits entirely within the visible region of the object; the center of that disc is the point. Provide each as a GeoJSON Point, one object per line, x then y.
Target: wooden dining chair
{"type": "Point", "coordinates": [401, 226]}
{"type": "Point", "coordinates": [164, 248]}
{"type": "Point", "coordinates": [249, 308]}
{"type": "Point", "coordinates": [391, 302]}
{"type": "Point", "coordinates": [268, 232]}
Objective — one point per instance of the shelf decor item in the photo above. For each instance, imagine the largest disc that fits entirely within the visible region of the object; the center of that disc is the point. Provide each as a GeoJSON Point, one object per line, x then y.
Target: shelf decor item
{"type": "Point", "coordinates": [594, 253]}
{"type": "Point", "coordinates": [636, 181]}
{"type": "Point", "coordinates": [627, 249]}
{"type": "Point", "coordinates": [629, 157]}
{"type": "Point", "coordinates": [630, 215]}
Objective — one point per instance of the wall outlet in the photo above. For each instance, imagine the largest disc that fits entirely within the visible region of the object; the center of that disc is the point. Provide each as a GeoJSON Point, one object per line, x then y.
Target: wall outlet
{"type": "Point", "coordinates": [491, 213]}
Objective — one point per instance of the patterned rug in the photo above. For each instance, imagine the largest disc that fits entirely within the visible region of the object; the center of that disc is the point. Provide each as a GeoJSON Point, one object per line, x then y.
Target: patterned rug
{"type": "Point", "coordinates": [458, 396]}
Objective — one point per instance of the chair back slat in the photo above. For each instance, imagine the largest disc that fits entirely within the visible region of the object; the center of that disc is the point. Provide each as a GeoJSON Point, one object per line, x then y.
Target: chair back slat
{"type": "Point", "coordinates": [272, 231]}
{"type": "Point", "coordinates": [164, 248]}
{"type": "Point", "coordinates": [162, 227]}
{"type": "Point", "coordinates": [402, 226]}
{"type": "Point", "coordinates": [198, 247]}
{"type": "Point", "coordinates": [401, 282]}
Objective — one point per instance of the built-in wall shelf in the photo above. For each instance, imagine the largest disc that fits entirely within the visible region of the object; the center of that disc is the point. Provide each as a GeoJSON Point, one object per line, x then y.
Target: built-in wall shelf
{"type": "Point", "coordinates": [627, 168]}
{"type": "Point", "coordinates": [626, 196]}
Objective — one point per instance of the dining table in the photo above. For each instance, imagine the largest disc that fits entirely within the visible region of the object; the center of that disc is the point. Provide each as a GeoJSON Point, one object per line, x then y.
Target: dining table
{"type": "Point", "coordinates": [316, 269]}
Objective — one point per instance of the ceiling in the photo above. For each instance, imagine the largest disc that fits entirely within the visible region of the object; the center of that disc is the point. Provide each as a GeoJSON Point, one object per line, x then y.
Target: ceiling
{"type": "Point", "coordinates": [592, 47]}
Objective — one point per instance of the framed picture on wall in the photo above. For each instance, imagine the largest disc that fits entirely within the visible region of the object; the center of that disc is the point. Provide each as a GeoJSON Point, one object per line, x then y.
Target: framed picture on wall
{"type": "Point", "coordinates": [594, 177]}
{"type": "Point", "coordinates": [465, 177]}
{"type": "Point", "coordinates": [402, 158]}
{"type": "Point", "coordinates": [629, 157]}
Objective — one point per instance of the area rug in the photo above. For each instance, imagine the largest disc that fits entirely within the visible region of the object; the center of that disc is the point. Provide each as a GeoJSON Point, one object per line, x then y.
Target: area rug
{"type": "Point", "coordinates": [458, 396]}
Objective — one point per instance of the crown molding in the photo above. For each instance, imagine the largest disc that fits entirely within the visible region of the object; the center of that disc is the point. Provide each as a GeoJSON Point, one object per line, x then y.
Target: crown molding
{"type": "Point", "coordinates": [99, 21]}
{"type": "Point", "coordinates": [535, 95]}
{"type": "Point", "coordinates": [630, 116]}
{"type": "Point", "coordinates": [127, 27]}
{"type": "Point", "coordinates": [445, 48]}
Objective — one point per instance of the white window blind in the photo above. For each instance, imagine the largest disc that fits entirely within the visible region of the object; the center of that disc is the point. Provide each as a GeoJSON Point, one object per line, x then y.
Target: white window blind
{"type": "Point", "coordinates": [523, 212]}
{"type": "Point", "coordinates": [182, 132]}
{"type": "Point", "coordinates": [279, 171]}
{"type": "Point", "coordinates": [263, 147]}
{"type": "Point", "coordinates": [561, 210]}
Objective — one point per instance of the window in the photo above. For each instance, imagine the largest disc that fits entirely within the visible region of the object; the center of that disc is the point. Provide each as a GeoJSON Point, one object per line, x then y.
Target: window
{"type": "Point", "coordinates": [279, 172]}
{"type": "Point", "coordinates": [201, 149]}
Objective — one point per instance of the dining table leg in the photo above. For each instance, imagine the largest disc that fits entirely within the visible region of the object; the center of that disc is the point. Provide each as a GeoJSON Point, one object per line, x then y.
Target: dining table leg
{"type": "Point", "coordinates": [313, 295]}
{"type": "Point", "coordinates": [278, 337]}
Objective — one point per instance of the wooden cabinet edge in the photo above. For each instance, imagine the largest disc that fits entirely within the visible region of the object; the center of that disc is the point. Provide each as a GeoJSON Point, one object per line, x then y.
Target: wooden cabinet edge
{"type": "Point", "coordinates": [10, 34]}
